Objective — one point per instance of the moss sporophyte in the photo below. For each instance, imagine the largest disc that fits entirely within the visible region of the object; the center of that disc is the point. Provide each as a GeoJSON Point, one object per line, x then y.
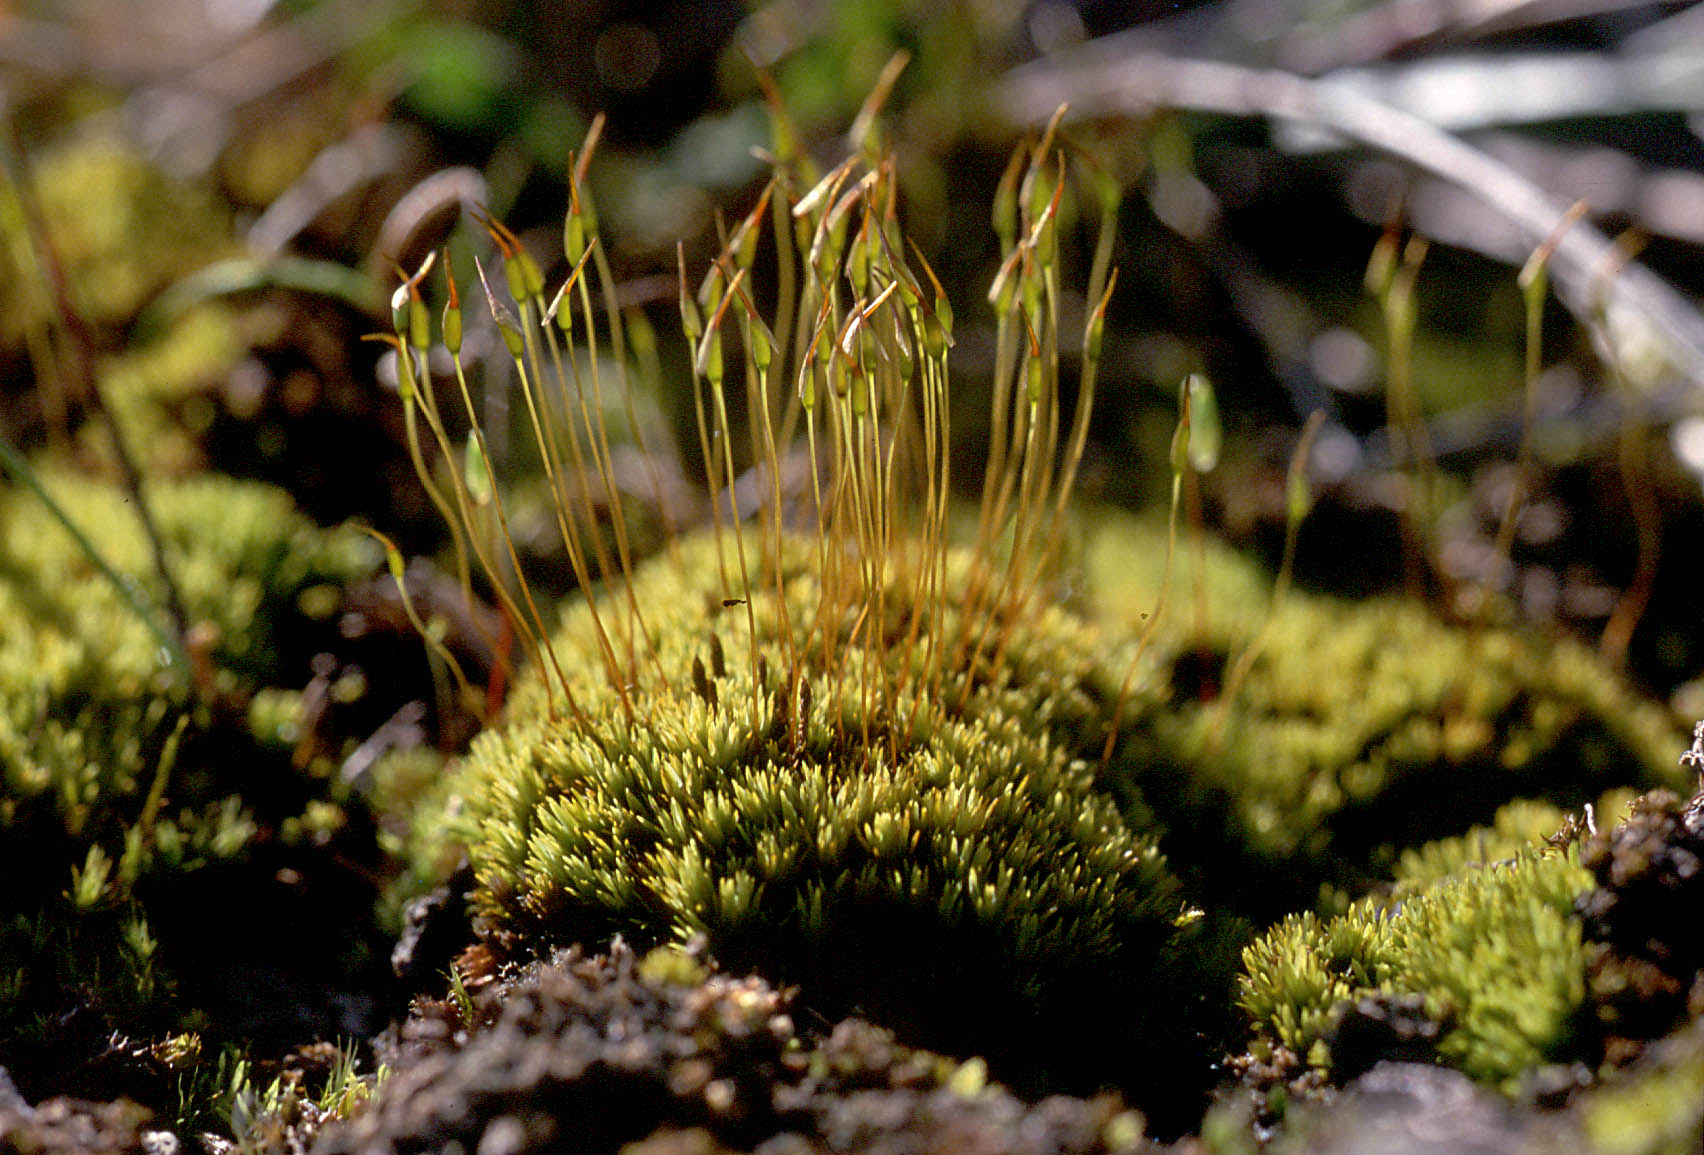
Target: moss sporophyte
{"type": "Point", "coordinates": [846, 751]}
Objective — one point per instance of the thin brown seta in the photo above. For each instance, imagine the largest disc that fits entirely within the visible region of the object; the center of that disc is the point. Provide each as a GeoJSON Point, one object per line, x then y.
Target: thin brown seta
{"type": "Point", "coordinates": [1632, 457]}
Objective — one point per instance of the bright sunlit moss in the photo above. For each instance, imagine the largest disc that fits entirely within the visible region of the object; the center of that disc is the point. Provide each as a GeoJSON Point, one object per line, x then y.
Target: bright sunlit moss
{"type": "Point", "coordinates": [1496, 954]}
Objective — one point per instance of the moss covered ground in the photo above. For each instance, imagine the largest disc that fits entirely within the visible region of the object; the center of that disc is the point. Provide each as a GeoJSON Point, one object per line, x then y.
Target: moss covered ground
{"type": "Point", "coordinates": [755, 744]}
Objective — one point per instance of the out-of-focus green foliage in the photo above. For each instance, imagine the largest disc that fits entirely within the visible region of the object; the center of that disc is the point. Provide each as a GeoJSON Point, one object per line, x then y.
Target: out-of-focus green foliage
{"type": "Point", "coordinates": [121, 229]}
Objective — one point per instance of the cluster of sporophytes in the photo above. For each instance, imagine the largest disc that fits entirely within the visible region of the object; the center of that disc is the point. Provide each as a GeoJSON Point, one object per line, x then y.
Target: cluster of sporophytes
{"type": "Point", "coordinates": [141, 768]}
{"type": "Point", "coordinates": [847, 752]}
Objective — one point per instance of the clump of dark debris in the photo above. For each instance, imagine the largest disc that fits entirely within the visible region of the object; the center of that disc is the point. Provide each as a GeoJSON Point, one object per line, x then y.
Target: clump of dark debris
{"type": "Point", "coordinates": [1383, 1028]}
{"type": "Point", "coordinates": [1646, 967]}
{"type": "Point", "coordinates": [1375, 1031]}
{"type": "Point", "coordinates": [594, 1053]}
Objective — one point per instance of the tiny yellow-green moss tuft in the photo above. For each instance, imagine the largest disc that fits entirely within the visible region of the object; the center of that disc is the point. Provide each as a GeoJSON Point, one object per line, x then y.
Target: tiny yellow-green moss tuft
{"type": "Point", "coordinates": [1495, 954]}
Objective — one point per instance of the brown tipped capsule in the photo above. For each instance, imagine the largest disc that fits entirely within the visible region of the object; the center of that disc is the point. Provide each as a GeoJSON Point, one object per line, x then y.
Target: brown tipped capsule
{"type": "Point", "coordinates": [507, 326]}
{"type": "Point", "coordinates": [452, 311]}
{"type": "Point", "coordinates": [561, 309]}
{"type": "Point", "coordinates": [709, 360]}
{"type": "Point", "coordinates": [812, 372]}
{"type": "Point", "coordinates": [574, 226]}
{"type": "Point", "coordinates": [943, 313]}
{"type": "Point", "coordinates": [822, 193]}
{"type": "Point", "coordinates": [1096, 329]}
{"type": "Point", "coordinates": [477, 470]}
{"type": "Point", "coordinates": [1043, 237]}
{"type": "Point", "coordinates": [744, 242]}
{"type": "Point", "coordinates": [408, 311]}
{"type": "Point", "coordinates": [530, 275]}
{"type": "Point", "coordinates": [1033, 368]}
{"type": "Point", "coordinates": [1030, 285]}
{"type": "Point", "coordinates": [419, 323]}
{"type": "Point", "coordinates": [594, 133]}
{"type": "Point", "coordinates": [588, 212]}
{"type": "Point", "coordinates": [1180, 436]}
{"type": "Point", "coordinates": [830, 242]}
{"type": "Point", "coordinates": [1535, 268]}
{"type": "Point", "coordinates": [1045, 146]}
{"type": "Point", "coordinates": [526, 279]}
{"type": "Point", "coordinates": [507, 245]}
{"type": "Point", "coordinates": [1005, 287]}
{"type": "Point", "coordinates": [858, 259]}
{"type": "Point", "coordinates": [690, 320]}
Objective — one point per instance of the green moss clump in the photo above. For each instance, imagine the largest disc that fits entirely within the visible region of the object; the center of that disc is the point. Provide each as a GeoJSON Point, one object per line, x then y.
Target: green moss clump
{"type": "Point", "coordinates": [1496, 954]}
{"type": "Point", "coordinates": [1361, 728]}
{"type": "Point", "coordinates": [121, 780]}
{"type": "Point", "coordinates": [934, 855]}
